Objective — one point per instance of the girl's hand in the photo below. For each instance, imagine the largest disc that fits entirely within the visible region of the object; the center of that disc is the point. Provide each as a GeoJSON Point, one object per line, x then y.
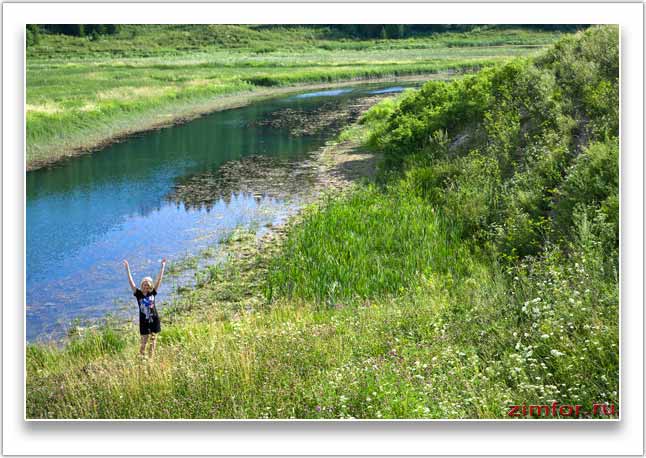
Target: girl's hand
{"type": "Point", "coordinates": [125, 263]}
{"type": "Point", "coordinates": [164, 261]}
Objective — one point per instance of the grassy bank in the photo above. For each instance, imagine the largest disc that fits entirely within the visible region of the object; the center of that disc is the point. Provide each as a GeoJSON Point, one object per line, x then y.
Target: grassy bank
{"type": "Point", "coordinates": [83, 93]}
{"type": "Point", "coordinates": [480, 270]}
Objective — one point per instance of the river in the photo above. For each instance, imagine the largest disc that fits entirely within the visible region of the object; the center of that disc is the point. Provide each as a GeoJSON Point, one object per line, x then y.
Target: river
{"type": "Point", "coordinates": [168, 193]}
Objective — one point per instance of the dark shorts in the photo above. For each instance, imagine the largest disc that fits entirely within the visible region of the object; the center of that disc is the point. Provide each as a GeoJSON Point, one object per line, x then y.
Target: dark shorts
{"type": "Point", "coordinates": [146, 327]}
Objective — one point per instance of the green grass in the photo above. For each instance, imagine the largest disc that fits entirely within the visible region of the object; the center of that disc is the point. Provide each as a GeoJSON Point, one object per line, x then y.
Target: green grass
{"type": "Point", "coordinates": [363, 246]}
{"type": "Point", "coordinates": [458, 342]}
{"type": "Point", "coordinates": [173, 40]}
{"type": "Point", "coordinates": [82, 93]}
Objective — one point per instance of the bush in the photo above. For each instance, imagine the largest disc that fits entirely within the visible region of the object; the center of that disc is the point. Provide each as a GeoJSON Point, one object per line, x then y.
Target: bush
{"type": "Point", "coordinates": [32, 35]}
{"type": "Point", "coordinates": [265, 81]}
{"type": "Point", "coordinates": [494, 149]}
{"type": "Point", "coordinates": [592, 182]}
{"type": "Point", "coordinates": [586, 68]}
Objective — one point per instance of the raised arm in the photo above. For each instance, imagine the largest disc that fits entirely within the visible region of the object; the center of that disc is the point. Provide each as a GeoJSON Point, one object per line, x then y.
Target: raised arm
{"type": "Point", "coordinates": [131, 282]}
{"type": "Point", "coordinates": [161, 274]}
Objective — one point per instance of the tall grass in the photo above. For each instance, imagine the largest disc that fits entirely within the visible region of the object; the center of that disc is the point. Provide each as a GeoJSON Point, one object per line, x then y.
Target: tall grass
{"type": "Point", "coordinates": [520, 165]}
{"type": "Point", "coordinates": [365, 245]}
{"type": "Point", "coordinates": [458, 342]}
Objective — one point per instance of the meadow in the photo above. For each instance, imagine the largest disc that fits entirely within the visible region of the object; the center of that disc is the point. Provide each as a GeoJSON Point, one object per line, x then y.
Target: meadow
{"type": "Point", "coordinates": [478, 270]}
{"type": "Point", "coordinates": [84, 92]}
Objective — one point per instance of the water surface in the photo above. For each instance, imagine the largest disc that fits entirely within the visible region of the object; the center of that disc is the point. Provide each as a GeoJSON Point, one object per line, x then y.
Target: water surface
{"type": "Point", "coordinates": [168, 193]}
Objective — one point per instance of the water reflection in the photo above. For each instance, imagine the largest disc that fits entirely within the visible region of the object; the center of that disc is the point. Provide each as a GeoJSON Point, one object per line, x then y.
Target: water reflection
{"type": "Point", "coordinates": [388, 90]}
{"type": "Point", "coordinates": [329, 93]}
{"type": "Point", "coordinates": [257, 176]}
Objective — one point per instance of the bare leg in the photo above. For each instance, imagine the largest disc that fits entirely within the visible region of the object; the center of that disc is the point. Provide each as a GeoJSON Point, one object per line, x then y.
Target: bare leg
{"type": "Point", "coordinates": [142, 348]}
{"type": "Point", "coordinates": [153, 342]}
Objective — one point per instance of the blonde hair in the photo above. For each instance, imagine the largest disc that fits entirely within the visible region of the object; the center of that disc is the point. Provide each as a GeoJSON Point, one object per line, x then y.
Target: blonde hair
{"type": "Point", "coordinates": [148, 280]}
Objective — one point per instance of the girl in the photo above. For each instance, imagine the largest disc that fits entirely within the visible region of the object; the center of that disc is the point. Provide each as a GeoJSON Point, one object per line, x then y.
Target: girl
{"type": "Point", "coordinates": [149, 324]}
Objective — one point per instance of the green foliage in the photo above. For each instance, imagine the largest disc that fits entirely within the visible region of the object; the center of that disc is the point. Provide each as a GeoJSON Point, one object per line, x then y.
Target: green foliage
{"type": "Point", "coordinates": [379, 113]}
{"type": "Point", "coordinates": [566, 311]}
{"type": "Point", "coordinates": [592, 186]}
{"type": "Point", "coordinates": [473, 193]}
{"type": "Point", "coordinates": [147, 40]}
{"type": "Point", "coordinates": [32, 35]}
{"type": "Point", "coordinates": [79, 30]}
{"type": "Point", "coordinates": [587, 71]}
{"type": "Point", "coordinates": [531, 119]}
{"type": "Point", "coordinates": [105, 341]}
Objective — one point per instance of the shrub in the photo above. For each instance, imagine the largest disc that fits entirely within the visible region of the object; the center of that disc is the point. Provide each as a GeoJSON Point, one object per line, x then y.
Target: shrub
{"type": "Point", "coordinates": [526, 123]}
{"type": "Point", "coordinates": [592, 182]}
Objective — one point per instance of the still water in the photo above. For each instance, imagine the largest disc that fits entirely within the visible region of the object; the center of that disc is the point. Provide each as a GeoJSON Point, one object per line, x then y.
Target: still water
{"type": "Point", "coordinates": [168, 193]}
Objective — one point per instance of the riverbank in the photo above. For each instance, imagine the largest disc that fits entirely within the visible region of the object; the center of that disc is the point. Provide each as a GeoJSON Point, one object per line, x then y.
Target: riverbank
{"type": "Point", "coordinates": [183, 114]}
{"type": "Point", "coordinates": [159, 118]}
{"type": "Point", "coordinates": [83, 94]}
{"type": "Point", "coordinates": [61, 378]}
{"type": "Point", "coordinates": [271, 188]}
{"type": "Point", "coordinates": [237, 285]}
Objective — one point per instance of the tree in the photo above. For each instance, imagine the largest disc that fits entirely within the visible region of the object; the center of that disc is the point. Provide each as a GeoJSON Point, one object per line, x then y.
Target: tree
{"type": "Point", "coordinates": [394, 30]}
{"type": "Point", "coordinates": [95, 29]}
{"type": "Point", "coordinates": [111, 29]}
{"type": "Point", "coordinates": [76, 30]}
{"type": "Point", "coordinates": [33, 34]}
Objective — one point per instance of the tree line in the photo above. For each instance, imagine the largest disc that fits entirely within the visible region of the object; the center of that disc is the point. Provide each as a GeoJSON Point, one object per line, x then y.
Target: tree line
{"type": "Point", "coordinates": [93, 31]}
{"type": "Point", "coordinates": [406, 30]}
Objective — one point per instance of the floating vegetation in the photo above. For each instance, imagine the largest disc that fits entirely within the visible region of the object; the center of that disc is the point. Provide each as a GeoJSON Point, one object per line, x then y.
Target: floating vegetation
{"type": "Point", "coordinates": [258, 176]}
{"type": "Point", "coordinates": [327, 117]}
{"type": "Point", "coordinates": [271, 177]}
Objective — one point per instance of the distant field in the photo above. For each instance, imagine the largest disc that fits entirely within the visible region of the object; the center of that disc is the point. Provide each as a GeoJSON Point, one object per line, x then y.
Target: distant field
{"type": "Point", "coordinates": [82, 93]}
